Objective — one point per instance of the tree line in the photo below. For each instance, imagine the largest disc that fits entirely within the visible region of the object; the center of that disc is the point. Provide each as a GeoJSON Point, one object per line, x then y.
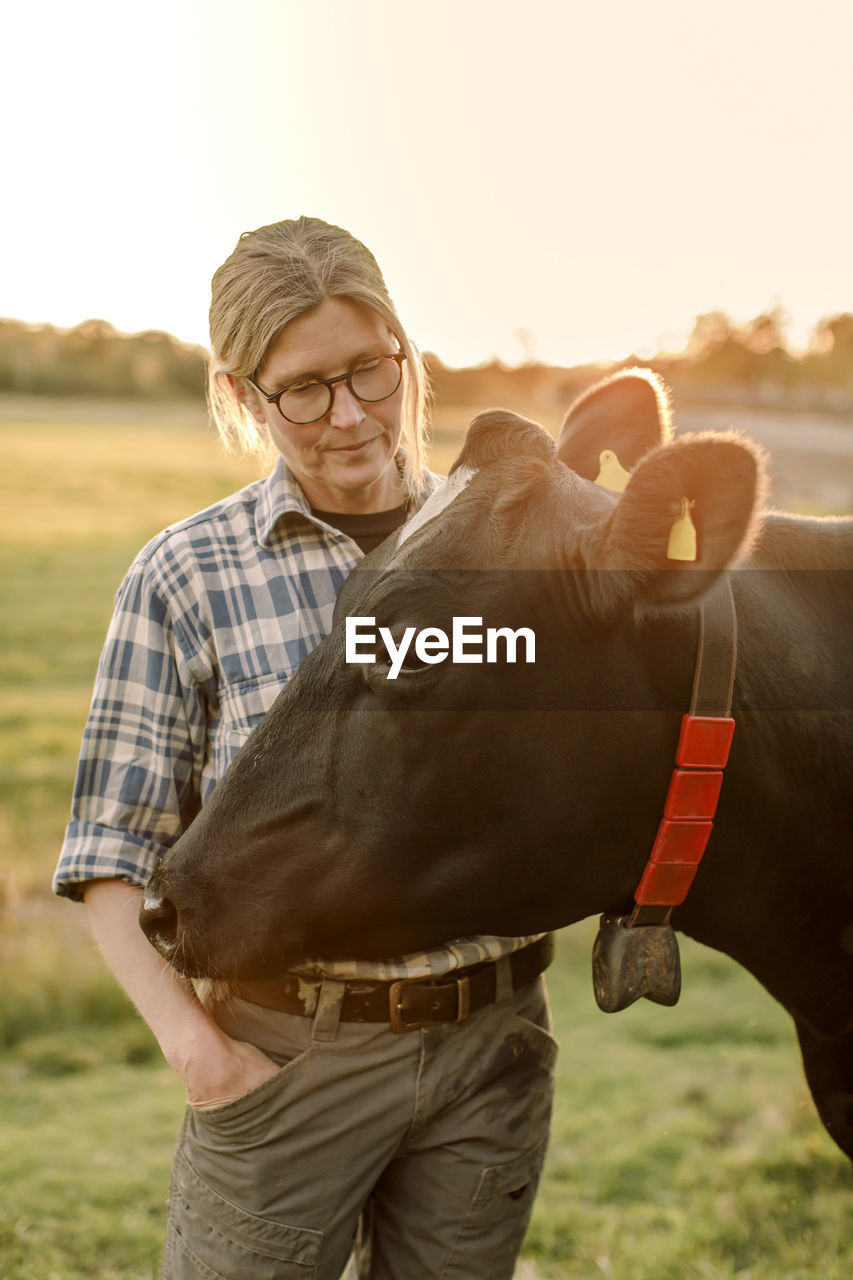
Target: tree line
{"type": "Point", "coordinates": [721, 361]}
{"type": "Point", "coordinates": [95, 359]}
{"type": "Point", "coordinates": [721, 358]}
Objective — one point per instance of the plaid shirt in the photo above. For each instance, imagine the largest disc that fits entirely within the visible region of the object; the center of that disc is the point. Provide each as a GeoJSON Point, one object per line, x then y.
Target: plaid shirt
{"type": "Point", "coordinates": [213, 617]}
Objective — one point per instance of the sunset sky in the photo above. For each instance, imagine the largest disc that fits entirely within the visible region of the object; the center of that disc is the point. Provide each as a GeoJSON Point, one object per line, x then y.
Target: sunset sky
{"type": "Point", "coordinates": [537, 179]}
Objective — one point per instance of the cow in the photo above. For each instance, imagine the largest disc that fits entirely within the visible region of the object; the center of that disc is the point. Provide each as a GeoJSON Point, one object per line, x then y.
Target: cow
{"type": "Point", "coordinates": [368, 815]}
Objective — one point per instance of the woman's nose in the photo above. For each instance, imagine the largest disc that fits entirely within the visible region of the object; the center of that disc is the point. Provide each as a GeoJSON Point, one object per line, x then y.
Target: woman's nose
{"type": "Point", "coordinates": [346, 411]}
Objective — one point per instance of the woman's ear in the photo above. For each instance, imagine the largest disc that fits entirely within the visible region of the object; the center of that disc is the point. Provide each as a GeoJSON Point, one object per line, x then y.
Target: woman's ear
{"type": "Point", "coordinates": [247, 396]}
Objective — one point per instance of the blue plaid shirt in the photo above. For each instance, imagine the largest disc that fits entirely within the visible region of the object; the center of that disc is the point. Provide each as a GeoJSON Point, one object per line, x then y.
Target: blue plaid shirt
{"type": "Point", "coordinates": [213, 617]}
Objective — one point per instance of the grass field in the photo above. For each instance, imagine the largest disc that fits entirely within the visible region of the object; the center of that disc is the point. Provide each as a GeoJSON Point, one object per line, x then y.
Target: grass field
{"type": "Point", "coordinates": [685, 1144]}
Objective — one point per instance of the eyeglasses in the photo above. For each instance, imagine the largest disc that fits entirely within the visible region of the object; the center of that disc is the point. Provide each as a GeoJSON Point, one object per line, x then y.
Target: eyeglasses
{"type": "Point", "coordinates": [308, 401]}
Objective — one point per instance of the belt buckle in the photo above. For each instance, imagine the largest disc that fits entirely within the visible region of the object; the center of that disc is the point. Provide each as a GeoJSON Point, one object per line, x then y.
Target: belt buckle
{"type": "Point", "coordinates": [396, 1007]}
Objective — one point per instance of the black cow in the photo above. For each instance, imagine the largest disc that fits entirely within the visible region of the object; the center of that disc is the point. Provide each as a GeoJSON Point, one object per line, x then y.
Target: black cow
{"type": "Point", "coordinates": [372, 816]}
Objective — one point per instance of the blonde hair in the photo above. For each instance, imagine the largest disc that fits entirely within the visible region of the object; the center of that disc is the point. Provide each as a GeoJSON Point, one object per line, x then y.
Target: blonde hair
{"type": "Point", "coordinates": [280, 272]}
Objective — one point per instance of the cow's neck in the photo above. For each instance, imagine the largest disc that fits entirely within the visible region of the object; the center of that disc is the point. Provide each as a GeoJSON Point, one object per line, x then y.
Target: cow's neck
{"type": "Point", "coordinates": [789, 946]}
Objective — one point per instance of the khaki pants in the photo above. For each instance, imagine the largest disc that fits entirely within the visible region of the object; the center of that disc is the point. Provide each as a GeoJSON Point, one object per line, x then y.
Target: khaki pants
{"type": "Point", "coordinates": [443, 1130]}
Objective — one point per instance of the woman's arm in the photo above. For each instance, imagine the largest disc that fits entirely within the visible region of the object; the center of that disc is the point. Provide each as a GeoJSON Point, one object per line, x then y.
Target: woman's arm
{"type": "Point", "coordinates": [214, 1068]}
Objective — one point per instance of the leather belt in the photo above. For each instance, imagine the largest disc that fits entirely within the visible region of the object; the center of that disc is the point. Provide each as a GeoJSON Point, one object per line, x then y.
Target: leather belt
{"type": "Point", "coordinates": [406, 1003]}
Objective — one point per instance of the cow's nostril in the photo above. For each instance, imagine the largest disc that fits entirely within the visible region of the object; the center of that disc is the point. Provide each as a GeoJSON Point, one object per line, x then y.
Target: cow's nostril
{"type": "Point", "coordinates": [158, 919]}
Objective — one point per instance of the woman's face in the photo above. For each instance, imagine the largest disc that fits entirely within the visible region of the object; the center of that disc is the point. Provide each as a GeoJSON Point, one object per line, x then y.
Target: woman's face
{"type": "Point", "coordinates": [346, 461]}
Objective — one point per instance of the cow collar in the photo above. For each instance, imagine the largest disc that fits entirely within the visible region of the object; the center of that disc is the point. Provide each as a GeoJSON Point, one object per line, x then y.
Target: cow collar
{"type": "Point", "coordinates": [630, 961]}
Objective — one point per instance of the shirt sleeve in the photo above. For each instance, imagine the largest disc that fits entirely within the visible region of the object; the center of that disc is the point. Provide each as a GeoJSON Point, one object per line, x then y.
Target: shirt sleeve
{"type": "Point", "coordinates": [138, 778]}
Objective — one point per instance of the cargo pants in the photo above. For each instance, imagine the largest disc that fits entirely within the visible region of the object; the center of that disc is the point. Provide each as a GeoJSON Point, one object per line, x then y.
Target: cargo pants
{"type": "Point", "coordinates": [432, 1139]}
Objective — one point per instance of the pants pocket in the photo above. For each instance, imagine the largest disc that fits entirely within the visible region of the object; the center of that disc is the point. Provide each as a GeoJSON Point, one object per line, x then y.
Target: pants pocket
{"type": "Point", "coordinates": [210, 1238]}
{"type": "Point", "coordinates": [492, 1233]}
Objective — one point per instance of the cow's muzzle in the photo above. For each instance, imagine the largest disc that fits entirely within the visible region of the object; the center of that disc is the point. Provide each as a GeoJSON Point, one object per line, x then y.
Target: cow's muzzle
{"type": "Point", "coordinates": [630, 962]}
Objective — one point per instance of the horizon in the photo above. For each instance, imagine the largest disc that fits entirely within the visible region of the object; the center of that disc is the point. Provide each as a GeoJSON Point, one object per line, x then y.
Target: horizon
{"type": "Point", "coordinates": [649, 356]}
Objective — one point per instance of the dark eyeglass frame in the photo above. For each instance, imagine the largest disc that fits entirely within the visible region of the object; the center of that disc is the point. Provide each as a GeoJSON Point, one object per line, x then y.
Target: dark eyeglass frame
{"type": "Point", "coordinates": [275, 398]}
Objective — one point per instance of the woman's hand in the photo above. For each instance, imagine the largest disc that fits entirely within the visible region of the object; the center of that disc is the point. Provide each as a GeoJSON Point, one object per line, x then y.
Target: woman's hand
{"type": "Point", "coordinates": [215, 1069]}
{"type": "Point", "coordinates": [223, 1073]}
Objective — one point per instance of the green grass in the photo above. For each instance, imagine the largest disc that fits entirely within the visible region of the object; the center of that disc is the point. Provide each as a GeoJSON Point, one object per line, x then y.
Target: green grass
{"type": "Point", "coordinates": [685, 1144]}
{"type": "Point", "coordinates": [84, 1169]}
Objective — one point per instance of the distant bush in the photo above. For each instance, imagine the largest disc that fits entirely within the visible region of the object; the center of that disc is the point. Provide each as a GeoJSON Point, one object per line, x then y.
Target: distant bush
{"type": "Point", "coordinates": [94, 359]}
{"type": "Point", "coordinates": [753, 361]}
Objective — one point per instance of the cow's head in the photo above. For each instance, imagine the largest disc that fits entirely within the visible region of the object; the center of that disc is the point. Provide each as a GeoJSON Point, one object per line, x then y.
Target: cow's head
{"type": "Point", "coordinates": [372, 816]}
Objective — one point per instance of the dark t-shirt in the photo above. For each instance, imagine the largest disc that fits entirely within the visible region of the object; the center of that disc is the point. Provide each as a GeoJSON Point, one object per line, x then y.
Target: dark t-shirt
{"type": "Point", "coordinates": [366, 530]}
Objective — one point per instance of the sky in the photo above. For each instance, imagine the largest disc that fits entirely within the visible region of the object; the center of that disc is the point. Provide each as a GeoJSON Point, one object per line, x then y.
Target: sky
{"type": "Point", "coordinates": [539, 179]}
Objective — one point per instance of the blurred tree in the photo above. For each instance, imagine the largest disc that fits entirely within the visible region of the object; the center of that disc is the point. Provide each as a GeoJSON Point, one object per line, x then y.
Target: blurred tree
{"type": "Point", "coordinates": [830, 355]}
{"type": "Point", "coordinates": [709, 331]}
{"type": "Point", "coordinates": [93, 358]}
{"type": "Point", "coordinates": [750, 356]}
{"type": "Point", "coordinates": [766, 332]}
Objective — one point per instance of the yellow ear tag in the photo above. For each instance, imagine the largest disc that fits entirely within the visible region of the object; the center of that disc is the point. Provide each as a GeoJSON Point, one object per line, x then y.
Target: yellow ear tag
{"type": "Point", "coordinates": [682, 535]}
{"type": "Point", "coordinates": [611, 474]}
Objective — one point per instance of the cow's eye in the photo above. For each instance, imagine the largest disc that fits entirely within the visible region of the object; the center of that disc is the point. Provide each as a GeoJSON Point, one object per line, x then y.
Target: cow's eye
{"type": "Point", "coordinates": [411, 662]}
{"type": "Point", "coordinates": [409, 665]}
{"type": "Point", "coordinates": [401, 657]}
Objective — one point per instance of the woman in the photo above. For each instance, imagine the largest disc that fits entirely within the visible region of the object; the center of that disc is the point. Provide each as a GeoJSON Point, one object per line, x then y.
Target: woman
{"type": "Point", "coordinates": [299, 1113]}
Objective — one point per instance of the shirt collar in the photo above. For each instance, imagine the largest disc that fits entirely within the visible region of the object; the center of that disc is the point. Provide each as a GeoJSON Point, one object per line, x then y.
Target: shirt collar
{"type": "Point", "coordinates": [281, 494]}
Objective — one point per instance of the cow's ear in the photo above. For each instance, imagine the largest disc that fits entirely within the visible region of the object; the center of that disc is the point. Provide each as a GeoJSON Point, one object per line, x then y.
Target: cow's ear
{"type": "Point", "coordinates": [688, 512]}
{"type": "Point", "coordinates": [499, 433]}
{"type": "Point", "coordinates": [621, 418]}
